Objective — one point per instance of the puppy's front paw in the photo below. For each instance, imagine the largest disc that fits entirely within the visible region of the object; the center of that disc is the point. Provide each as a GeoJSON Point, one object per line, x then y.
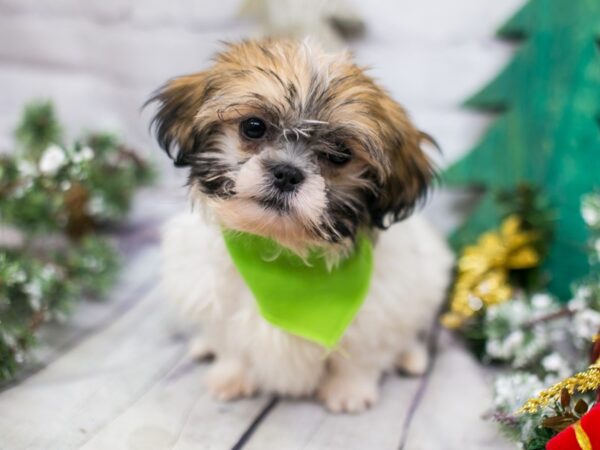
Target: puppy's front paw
{"type": "Point", "coordinates": [227, 380]}
{"type": "Point", "coordinates": [414, 361]}
{"type": "Point", "coordinates": [348, 394]}
{"type": "Point", "coordinates": [199, 349]}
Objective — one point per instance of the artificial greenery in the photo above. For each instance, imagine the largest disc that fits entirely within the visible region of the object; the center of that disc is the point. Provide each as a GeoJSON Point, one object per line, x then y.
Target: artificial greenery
{"type": "Point", "coordinates": [56, 201]}
{"type": "Point", "coordinates": [35, 289]}
{"type": "Point", "coordinates": [542, 342]}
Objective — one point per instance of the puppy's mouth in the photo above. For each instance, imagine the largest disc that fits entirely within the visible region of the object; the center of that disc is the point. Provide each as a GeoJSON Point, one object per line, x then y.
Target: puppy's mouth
{"type": "Point", "coordinates": [279, 203]}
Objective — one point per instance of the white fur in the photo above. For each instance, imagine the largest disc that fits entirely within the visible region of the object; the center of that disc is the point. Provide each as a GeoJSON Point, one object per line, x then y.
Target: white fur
{"type": "Point", "coordinates": [412, 271]}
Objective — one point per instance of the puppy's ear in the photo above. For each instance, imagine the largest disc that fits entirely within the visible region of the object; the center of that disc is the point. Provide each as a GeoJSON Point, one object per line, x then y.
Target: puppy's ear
{"type": "Point", "coordinates": [410, 172]}
{"type": "Point", "coordinates": [179, 101]}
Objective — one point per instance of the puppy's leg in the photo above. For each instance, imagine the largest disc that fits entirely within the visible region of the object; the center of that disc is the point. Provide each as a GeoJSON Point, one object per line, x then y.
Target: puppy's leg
{"type": "Point", "coordinates": [414, 359]}
{"type": "Point", "coordinates": [199, 348]}
{"type": "Point", "coordinates": [228, 379]}
{"type": "Point", "coordinates": [348, 386]}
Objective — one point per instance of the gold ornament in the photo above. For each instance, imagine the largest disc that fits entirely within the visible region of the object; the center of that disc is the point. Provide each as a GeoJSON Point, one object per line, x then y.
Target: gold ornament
{"type": "Point", "coordinates": [586, 381]}
{"type": "Point", "coordinates": [483, 270]}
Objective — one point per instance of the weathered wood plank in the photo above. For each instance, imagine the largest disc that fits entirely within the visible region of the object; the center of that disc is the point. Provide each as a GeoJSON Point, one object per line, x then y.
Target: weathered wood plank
{"type": "Point", "coordinates": [307, 425]}
{"type": "Point", "coordinates": [61, 406]}
{"type": "Point", "coordinates": [177, 413]}
{"type": "Point", "coordinates": [136, 280]}
{"type": "Point", "coordinates": [449, 416]}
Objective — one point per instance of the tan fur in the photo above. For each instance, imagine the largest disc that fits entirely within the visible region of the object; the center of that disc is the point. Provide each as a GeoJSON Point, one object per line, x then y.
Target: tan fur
{"type": "Point", "coordinates": [253, 67]}
{"type": "Point", "coordinates": [298, 89]}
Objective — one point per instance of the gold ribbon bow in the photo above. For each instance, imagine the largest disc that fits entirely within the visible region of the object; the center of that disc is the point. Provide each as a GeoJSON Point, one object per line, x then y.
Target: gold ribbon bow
{"type": "Point", "coordinates": [483, 270]}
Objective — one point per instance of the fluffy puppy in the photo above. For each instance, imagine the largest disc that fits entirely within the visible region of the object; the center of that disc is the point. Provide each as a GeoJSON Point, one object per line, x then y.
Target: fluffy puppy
{"type": "Point", "coordinates": [285, 141]}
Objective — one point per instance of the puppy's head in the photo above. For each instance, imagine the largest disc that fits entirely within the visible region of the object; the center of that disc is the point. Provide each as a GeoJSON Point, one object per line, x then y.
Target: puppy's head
{"type": "Point", "coordinates": [285, 141]}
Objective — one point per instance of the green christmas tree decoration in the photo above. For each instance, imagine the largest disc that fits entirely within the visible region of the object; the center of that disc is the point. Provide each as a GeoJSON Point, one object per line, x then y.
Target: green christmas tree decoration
{"type": "Point", "coordinates": [547, 134]}
{"type": "Point", "coordinates": [56, 200]}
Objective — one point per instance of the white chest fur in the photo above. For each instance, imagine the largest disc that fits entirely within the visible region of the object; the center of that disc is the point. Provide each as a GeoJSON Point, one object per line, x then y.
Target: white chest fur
{"type": "Point", "coordinates": [411, 273]}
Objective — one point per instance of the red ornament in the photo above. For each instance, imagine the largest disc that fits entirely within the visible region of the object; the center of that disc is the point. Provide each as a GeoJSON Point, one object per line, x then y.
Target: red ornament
{"type": "Point", "coordinates": [584, 435]}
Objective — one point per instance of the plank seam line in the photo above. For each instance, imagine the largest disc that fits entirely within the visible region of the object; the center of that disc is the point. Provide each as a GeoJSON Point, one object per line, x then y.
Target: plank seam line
{"type": "Point", "coordinates": [186, 420]}
{"type": "Point", "coordinates": [433, 347]}
{"type": "Point", "coordinates": [243, 440]}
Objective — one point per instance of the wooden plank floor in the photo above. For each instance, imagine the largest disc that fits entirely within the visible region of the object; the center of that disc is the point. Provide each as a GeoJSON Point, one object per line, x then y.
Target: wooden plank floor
{"type": "Point", "coordinates": [118, 376]}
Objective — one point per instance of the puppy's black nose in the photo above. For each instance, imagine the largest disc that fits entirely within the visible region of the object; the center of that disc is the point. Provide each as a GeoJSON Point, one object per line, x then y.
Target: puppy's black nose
{"type": "Point", "coordinates": [286, 177]}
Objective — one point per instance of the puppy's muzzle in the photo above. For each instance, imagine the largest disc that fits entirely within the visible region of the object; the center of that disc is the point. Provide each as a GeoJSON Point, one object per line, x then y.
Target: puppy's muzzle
{"type": "Point", "coordinates": [286, 177]}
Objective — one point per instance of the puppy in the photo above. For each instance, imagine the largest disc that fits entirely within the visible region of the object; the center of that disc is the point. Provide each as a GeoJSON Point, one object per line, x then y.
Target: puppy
{"type": "Point", "coordinates": [351, 163]}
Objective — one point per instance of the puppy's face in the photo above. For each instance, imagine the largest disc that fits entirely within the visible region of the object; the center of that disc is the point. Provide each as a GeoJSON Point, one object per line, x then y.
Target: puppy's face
{"type": "Point", "coordinates": [287, 142]}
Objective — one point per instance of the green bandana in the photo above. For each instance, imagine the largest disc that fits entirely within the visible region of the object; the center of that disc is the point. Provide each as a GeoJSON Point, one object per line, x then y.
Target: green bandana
{"type": "Point", "coordinates": [303, 299]}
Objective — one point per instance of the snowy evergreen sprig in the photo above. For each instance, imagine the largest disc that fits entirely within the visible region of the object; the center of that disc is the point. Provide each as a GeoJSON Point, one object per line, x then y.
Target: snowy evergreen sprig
{"type": "Point", "coordinates": [35, 290]}
{"type": "Point", "coordinates": [539, 341]}
{"type": "Point", "coordinates": [54, 199]}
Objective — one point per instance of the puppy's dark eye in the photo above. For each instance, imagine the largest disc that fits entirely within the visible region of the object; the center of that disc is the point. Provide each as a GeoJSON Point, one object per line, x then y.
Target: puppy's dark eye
{"type": "Point", "coordinates": [342, 156]}
{"type": "Point", "coordinates": [253, 128]}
